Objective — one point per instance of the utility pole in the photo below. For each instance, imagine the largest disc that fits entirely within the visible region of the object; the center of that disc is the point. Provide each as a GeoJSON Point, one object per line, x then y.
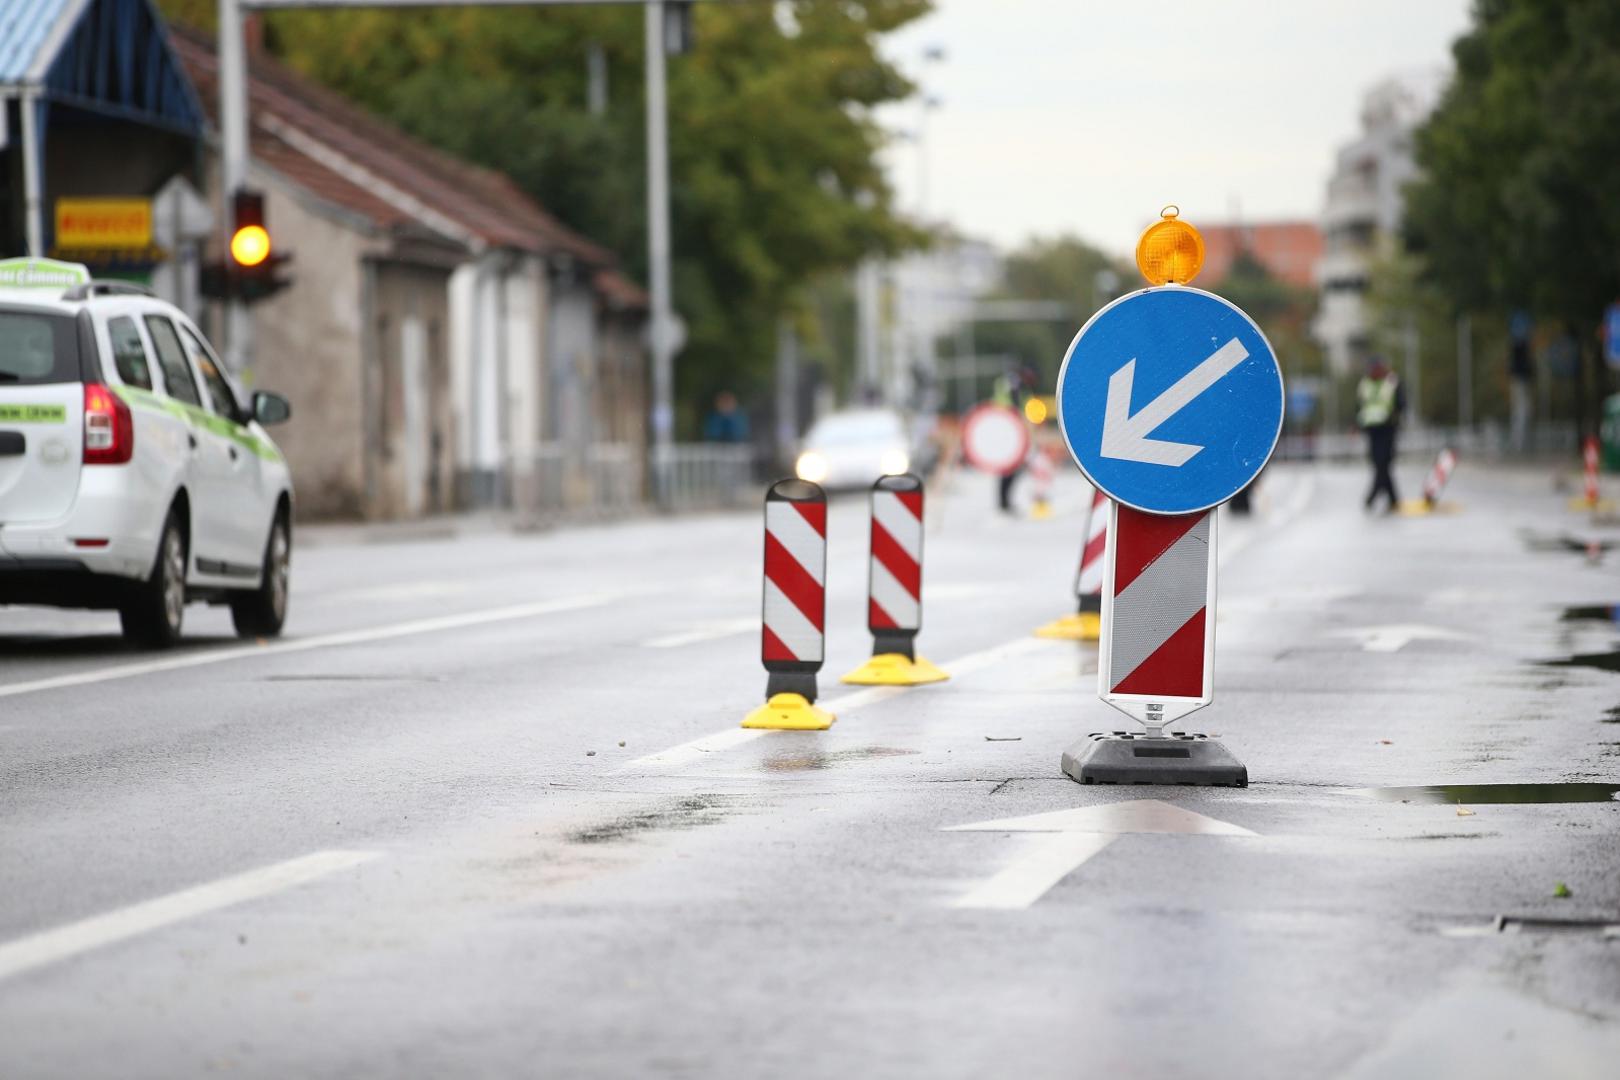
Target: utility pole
{"type": "Point", "coordinates": [233, 161]}
{"type": "Point", "coordinates": [1465, 371]}
{"type": "Point", "coordinates": [663, 344]}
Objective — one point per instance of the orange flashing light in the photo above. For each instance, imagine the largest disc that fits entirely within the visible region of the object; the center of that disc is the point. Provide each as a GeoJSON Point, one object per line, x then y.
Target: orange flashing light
{"type": "Point", "coordinates": [250, 245]}
{"type": "Point", "coordinates": [1171, 251]}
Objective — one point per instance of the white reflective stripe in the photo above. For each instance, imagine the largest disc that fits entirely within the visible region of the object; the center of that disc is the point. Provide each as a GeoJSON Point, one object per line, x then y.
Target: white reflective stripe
{"type": "Point", "coordinates": [1091, 577]}
{"type": "Point", "coordinates": [898, 522]}
{"type": "Point", "coordinates": [892, 597]}
{"type": "Point", "coordinates": [790, 626]}
{"type": "Point", "coordinates": [808, 548]}
{"type": "Point", "coordinates": [1097, 520]}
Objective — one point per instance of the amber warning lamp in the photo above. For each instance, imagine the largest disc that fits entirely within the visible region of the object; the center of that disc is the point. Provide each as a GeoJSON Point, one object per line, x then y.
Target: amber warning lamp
{"type": "Point", "coordinates": [1170, 252]}
{"type": "Point", "coordinates": [250, 240]}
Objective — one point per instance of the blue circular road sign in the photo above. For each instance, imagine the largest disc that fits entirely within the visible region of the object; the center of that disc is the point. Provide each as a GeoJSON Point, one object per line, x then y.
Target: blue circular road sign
{"type": "Point", "coordinates": [1170, 400]}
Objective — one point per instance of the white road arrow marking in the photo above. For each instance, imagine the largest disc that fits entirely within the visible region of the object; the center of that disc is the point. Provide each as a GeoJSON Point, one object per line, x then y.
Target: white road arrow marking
{"type": "Point", "coordinates": [1126, 437]}
{"type": "Point", "coordinates": [1075, 836]}
{"type": "Point", "coordinates": [1395, 638]}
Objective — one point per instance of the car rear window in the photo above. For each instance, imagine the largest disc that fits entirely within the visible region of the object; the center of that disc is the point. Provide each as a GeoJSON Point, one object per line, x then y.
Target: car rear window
{"type": "Point", "coordinates": [37, 347]}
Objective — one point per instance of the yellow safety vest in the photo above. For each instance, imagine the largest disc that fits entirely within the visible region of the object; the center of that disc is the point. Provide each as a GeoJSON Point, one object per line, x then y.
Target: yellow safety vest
{"type": "Point", "coordinates": [1377, 400]}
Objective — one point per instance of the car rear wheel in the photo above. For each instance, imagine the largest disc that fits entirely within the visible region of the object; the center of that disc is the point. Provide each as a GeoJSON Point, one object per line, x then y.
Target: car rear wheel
{"type": "Point", "coordinates": [261, 613]}
{"type": "Point", "coordinates": [155, 610]}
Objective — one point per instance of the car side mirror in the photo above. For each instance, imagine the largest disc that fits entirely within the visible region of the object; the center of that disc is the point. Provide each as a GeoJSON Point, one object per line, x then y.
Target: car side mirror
{"type": "Point", "coordinates": [270, 408]}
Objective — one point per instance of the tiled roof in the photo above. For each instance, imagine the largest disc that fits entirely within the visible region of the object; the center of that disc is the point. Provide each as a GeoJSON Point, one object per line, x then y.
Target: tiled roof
{"type": "Point", "coordinates": [1290, 250]}
{"type": "Point", "coordinates": [354, 159]}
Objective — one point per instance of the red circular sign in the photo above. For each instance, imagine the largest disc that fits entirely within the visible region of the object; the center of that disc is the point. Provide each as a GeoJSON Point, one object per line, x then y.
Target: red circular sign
{"type": "Point", "coordinates": [995, 439]}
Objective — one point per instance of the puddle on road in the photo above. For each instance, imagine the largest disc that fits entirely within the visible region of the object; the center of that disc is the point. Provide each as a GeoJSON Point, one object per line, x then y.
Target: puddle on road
{"type": "Point", "coordinates": [1609, 613]}
{"type": "Point", "coordinates": [804, 762]}
{"type": "Point", "coordinates": [1612, 716]}
{"type": "Point", "coordinates": [352, 678]}
{"type": "Point", "coordinates": [1603, 661]}
{"type": "Point", "coordinates": [1484, 794]}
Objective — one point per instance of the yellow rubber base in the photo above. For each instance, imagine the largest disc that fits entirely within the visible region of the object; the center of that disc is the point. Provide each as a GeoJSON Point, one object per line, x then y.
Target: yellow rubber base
{"type": "Point", "coordinates": [789, 712]}
{"type": "Point", "coordinates": [1041, 510]}
{"type": "Point", "coordinates": [1421, 508]}
{"type": "Point", "coordinates": [894, 669]}
{"type": "Point", "coordinates": [1580, 504]}
{"type": "Point", "coordinates": [1081, 626]}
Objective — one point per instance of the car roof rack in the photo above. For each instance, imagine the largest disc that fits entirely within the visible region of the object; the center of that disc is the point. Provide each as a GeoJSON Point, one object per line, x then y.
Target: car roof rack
{"type": "Point", "coordinates": [85, 290]}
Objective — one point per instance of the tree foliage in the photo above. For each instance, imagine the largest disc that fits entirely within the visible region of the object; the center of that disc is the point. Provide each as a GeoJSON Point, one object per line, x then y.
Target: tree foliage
{"type": "Point", "coordinates": [1521, 162]}
{"type": "Point", "coordinates": [773, 148]}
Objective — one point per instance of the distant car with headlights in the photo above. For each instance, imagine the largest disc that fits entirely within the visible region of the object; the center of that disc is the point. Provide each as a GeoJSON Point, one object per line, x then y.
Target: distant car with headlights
{"type": "Point", "coordinates": [134, 473]}
{"type": "Point", "coordinates": [852, 448]}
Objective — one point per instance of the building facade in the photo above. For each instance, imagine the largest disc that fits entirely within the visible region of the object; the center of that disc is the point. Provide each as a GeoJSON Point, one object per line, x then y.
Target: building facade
{"type": "Point", "coordinates": [1361, 217]}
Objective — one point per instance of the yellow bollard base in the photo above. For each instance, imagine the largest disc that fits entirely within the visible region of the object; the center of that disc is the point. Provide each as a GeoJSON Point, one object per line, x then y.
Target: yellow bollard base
{"type": "Point", "coordinates": [1040, 511]}
{"type": "Point", "coordinates": [789, 712]}
{"type": "Point", "coordinates": [893, 669]}
{"type": "Point", "coordinates": [1422, 508]}
{"type": "Point", "coordinates": [1081, 626]}
{"type": "Point", "coordinates": [1581, 504]}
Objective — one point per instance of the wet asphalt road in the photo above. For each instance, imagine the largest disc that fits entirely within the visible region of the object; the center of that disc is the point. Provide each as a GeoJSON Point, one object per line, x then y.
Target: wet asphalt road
{"type": "Point", "coordinates": [406, 840]}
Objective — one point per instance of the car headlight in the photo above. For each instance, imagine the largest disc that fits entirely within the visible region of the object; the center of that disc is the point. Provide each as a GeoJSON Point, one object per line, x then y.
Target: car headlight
{"type": "Point", "coordinates": [812, 467]}
{"type": "Point", "coordinates": [894, 462]}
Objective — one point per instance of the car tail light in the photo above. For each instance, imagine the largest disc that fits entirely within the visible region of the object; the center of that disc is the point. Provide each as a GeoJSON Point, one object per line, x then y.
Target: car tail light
{"type": "Point", "coordinates": [109, 429]}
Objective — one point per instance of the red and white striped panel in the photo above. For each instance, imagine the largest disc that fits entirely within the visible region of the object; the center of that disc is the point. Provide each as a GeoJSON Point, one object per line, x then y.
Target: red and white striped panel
{"type": "Point", "coordinates": [1160, 600]}
{"type": "Point", "coordinates": [1090, 580]}
{"type": "Point", "coordinates": [795, 581]}
{"type": "Point", "coordinates": [1441, 473]}
{"type": "Point", "coordinates": [896, 577]}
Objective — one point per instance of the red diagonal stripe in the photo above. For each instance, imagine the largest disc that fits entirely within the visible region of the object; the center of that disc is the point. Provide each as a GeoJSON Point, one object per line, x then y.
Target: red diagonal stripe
{"type": "Point", "coordinates": [794, 581]}
{"type": "Point", "coordinates": [772, 647]}
{"type": "Point", "coordinates": [1095, 548]}
{"type": "Point", "coordinates": [878, 619]}
{"type": "Point", "coordinates": [1176, 668]}
{"type": "Point", "coordinates": [815, 513]}
{"type": "Point", "coordinates": [1143, 538]}
{"type": "Point", "coordinates": [911, 500]}
{"type": "Point", "coordinates": [894, 559]}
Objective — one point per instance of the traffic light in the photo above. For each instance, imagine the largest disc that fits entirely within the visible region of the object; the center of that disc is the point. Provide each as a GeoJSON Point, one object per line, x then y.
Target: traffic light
{"type": "Point", "coordinates": [251, 269]}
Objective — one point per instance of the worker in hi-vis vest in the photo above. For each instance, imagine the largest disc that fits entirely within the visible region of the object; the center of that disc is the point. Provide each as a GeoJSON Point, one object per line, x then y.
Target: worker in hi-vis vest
{"type": "Point", "coordinates": [1380, 400]}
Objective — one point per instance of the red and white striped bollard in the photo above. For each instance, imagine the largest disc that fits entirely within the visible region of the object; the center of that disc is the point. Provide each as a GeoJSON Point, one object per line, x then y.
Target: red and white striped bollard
{"type": "Point", "coordinates": [1086, 623]}
{"type": "Point", "coordinates": [894, 592]}
{"type": "Point", "coordinates": [794, 609]}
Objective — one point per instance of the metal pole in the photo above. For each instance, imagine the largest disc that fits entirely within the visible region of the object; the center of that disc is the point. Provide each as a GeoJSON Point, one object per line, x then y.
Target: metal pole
{"type": "Point", "coordinates": [32, 170]}
{"type": "Point", "coordinates": [1465, 372]}
{"type": "Point", "coordinates": [787, 392]}
{"type": "Point", "coordinates": [1413, 413]}
{"type": "Point", "coordinates": [233, 161]}
{"type": "Point", "coordinates": [663, 410]}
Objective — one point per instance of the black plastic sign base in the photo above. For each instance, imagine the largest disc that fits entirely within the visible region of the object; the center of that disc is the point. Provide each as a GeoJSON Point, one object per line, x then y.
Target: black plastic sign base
{"type": "Point", "coordinates": [1177, 757]}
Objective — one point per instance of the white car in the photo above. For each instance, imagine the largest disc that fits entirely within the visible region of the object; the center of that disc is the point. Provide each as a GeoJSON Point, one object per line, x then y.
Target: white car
{"type": "Point", "coordinates": [852, 448]}
{"type": "Point", "coordinates": [132, 476]}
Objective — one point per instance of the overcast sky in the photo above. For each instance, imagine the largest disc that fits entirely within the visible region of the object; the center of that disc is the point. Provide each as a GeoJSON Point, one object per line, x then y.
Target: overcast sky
{"type": "Point", "coordinates": [1086, 116]}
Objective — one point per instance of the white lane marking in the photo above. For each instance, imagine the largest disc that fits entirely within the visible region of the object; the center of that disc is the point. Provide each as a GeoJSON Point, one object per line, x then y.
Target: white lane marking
{"type": "Point", "coordinates": [686, 752]}
{"type": "Point", "coordinates": [1080, 833]}
{"type": "Point", "coordinates": [703, 632]}
{"type": "Point", "coordinates": [320, 641]}
{"type": "Point", "coordinates": [48, 947]}
{"type": "Point", "coordinates": [1394, 638]}
{"type": "Point", "coordinates": [1045, 861]}
{"type": "Point", "coordinates": [1234, 542]}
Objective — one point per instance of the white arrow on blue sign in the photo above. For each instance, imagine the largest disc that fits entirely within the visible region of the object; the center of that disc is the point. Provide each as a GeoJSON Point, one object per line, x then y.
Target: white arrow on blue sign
{"type": "Point", "coordinates": [1171, 400]}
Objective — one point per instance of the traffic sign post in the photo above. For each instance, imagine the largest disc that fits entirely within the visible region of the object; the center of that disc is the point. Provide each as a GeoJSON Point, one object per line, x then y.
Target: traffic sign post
{"type": "Point", "coordinates": [1171, 401]}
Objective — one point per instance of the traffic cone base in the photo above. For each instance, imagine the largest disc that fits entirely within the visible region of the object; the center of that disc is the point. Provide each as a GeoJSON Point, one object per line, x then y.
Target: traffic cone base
{"type": "Point", "coordinates": [895, 669]}
{"type": "Point", "coordinates": [1082, 626]}
{"type": "Point", "coordinates": [789, 712]}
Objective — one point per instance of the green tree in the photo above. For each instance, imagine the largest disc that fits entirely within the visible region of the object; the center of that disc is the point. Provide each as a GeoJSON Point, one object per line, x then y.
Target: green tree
{"type": "Point", "coordinates": [1521, 161]}
{"type": "Point", "coordinates": [1065, 270]}
{"type": "Point", "coordinates": [774, 173]}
